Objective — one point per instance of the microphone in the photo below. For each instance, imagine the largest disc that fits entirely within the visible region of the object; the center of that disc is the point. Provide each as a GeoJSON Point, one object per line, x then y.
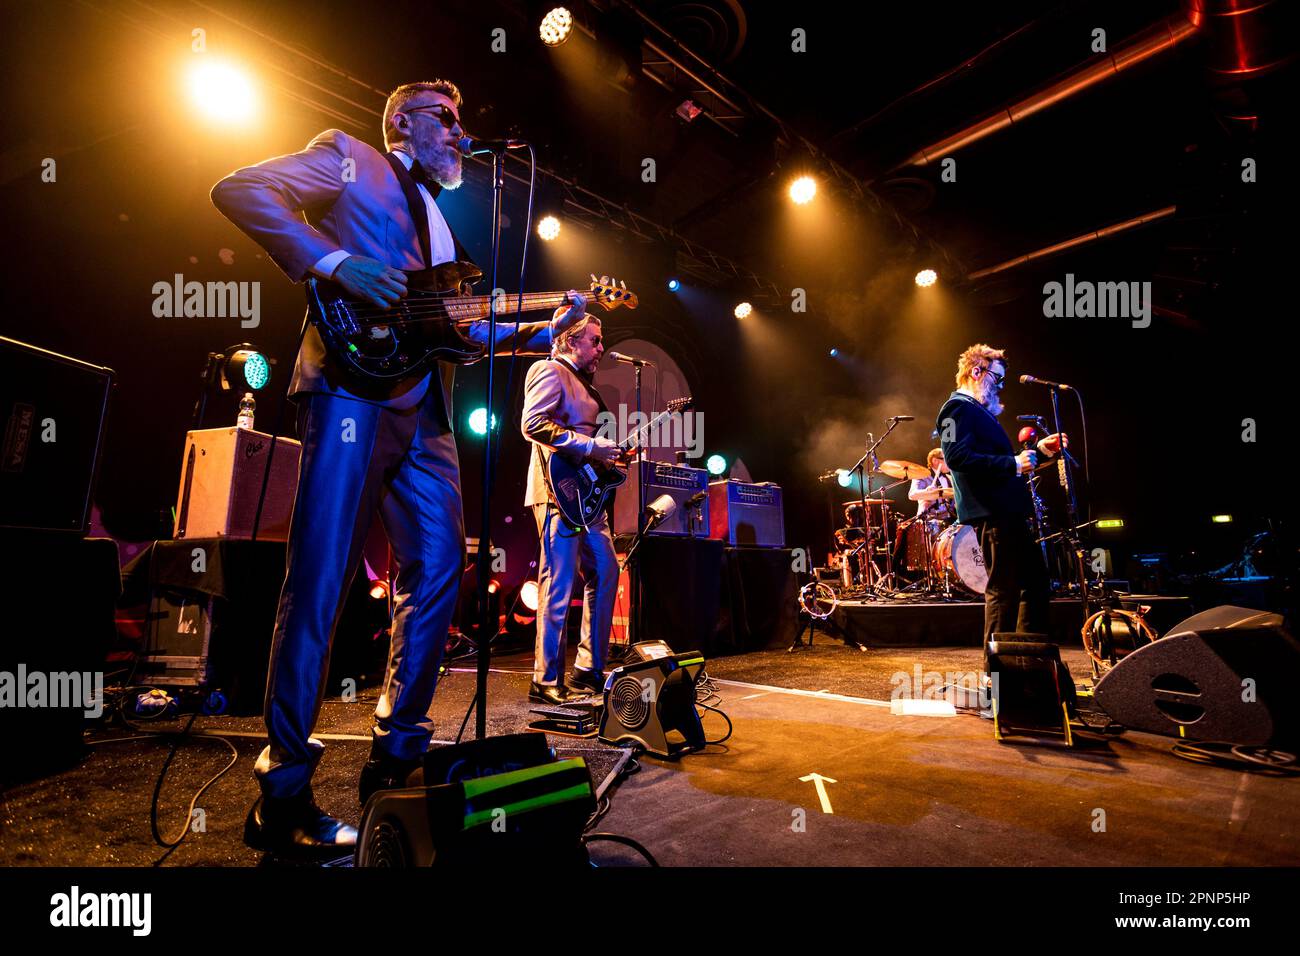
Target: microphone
{"type": "Point", "coordinates": [628, 359]}
{"type": "Point", "coordinates": [1033, 380]}
{"type": "Point", "coordinates": [902, 418]}
{"type": "Point", "coordinates": [695, 499]}
{"type": "Point", "coordinates": [470, 146]}
{"type": "Point", "coordinates": [1033, 419]}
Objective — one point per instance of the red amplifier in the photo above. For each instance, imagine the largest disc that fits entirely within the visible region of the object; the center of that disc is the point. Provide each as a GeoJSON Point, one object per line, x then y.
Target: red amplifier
{"type": "Point", "coordinates": [747, 515]}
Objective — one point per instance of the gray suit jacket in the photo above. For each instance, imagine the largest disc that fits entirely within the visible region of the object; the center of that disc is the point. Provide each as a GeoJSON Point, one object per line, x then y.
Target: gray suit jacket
{"type": "Point", "coordinates": [560, 414]}
{"type": "Point", "coordinates": [341, 193]}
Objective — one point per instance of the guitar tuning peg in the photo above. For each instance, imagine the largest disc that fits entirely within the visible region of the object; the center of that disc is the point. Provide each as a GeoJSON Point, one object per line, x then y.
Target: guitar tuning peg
{"type": "Point", "coordinates": [624, 285]}
{"type": "Point", "coordinates": [593, 277]}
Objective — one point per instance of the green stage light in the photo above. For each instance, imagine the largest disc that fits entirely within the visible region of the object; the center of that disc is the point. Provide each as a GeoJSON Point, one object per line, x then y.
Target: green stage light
{"type": "Point", "coordinates": [716, 464]}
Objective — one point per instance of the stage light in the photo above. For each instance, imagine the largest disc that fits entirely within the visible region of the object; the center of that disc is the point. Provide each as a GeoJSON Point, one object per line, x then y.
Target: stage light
{"type": "Point", "coordinates": [688, 110]}
{"type": "Point", "coordinates": [222, 91]}
{"type": "Point", "coordinates": [802, 190]}
{"type": "Point", "coordinates": [478, 421]}
{"type": "Point", "coordinates": [673, 285]}
{"type": "Point", "coordinates": [926, 277]}
{"type": "Point", "coordinates": [556, 26]}
{"type": "Point", "coordinates": [716, 464]}
{"type": "Point", "coordinates": [846, 477]}
{"type": "Point", "coordinates": [548, 228]}
{"type": "Point", "coordinates": [743, 309]}
{"type": "Point", "coordinates": [835, 353]}
{"type": "Point", "coordinates": [528, 595]}
{"type": "Point", "coordinates": [379, 590]}
{"type": "Point", "coordinates": [1222, 519]}
{"type": "Point", "coordinates": [249, 365]}
{"type": "Point", "coordinates": [1109, 523]}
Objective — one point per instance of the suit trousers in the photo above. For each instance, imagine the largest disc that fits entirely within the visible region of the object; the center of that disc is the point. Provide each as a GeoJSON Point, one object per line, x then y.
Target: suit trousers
{"type": "Point", "coordinates": [1019, 590]}
{"type": "Point", "coordinates": [359, 459]}
{"type": "Point", "coordinates": [566, 553]}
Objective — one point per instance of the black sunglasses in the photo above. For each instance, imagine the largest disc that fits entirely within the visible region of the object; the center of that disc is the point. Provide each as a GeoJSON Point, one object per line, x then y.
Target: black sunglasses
{"type": "Point", "coordinates": [997, 379]}
{"type": "Point", "coordinates": [445, 116]}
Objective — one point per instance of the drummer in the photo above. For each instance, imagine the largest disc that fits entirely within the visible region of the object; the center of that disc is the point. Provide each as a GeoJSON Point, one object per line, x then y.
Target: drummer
{"type": "Point", "coordinates": [927, 493]}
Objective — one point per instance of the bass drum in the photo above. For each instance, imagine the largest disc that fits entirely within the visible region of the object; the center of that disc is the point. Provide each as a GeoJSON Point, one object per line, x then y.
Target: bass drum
{"type": "Point", "coordinates": [957, 553]}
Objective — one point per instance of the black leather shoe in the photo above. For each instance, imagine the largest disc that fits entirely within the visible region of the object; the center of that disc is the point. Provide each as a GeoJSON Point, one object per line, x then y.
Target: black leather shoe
{"type": "Point", "coordinates": [544, 694]}
{"type": "Point", "coordinates": [587, 683]}
{"type": "Point", "coordinates": [296, 826]}
{"type": "Point", "coordinates": [383, 772]}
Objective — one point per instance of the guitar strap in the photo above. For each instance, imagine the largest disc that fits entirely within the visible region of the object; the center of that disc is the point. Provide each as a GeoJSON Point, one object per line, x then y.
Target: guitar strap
{"type": "Point", "coordinates": [420, 212]}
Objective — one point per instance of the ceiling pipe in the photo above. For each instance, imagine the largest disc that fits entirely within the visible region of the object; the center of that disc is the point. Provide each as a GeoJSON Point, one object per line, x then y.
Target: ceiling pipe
{"type": "Point", "coordinates": [1152, 41]}
{"type": "Point", "coordinates": [1105, 232]}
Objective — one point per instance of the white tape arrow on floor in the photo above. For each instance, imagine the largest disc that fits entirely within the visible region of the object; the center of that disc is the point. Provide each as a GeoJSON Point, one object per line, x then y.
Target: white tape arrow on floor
{"type": "Point", "coordinates": [820, 782]}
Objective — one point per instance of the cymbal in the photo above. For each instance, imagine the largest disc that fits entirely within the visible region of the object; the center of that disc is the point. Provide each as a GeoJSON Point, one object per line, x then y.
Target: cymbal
{"type": "Point", "coordinates": [934, 494]}
{"type": "Point", "coordinates": [898, 468]}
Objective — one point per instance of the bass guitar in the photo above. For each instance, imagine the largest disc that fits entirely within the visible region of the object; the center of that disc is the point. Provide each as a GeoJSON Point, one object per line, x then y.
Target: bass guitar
{"type": "Point", "coordinates": [382, 345]}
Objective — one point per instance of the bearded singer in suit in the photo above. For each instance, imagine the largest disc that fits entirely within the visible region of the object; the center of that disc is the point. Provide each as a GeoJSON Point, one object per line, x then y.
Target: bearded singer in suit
{"type": "Point", "coordinates": [342, 210]}
{"type": "Point", "coordinates": [560, 413]}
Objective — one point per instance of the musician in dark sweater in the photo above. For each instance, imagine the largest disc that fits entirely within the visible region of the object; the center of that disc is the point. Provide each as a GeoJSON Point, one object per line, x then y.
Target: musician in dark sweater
{"type": "Point", "coordinates": [992, 494]}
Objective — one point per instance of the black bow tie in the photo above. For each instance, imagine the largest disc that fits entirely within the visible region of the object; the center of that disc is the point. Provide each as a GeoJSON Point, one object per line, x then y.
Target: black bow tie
{"type": "Point", "coordinates": [422, 177]}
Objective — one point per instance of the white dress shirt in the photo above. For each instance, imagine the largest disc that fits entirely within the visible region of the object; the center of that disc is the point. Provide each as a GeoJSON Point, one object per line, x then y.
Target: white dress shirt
{"type": "Point", "coordinates": [442, 248]}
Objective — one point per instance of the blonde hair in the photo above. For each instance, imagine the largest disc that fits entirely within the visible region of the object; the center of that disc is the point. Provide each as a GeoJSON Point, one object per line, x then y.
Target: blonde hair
{"type": "Point", "coordinates": [409, 91]}
{"type": "Point", "coordinates": [977, 356]}
{"type": "Point", "coordinates": [935, 453]}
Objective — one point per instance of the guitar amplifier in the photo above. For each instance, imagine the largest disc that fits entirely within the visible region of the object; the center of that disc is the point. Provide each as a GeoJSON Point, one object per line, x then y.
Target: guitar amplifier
{"type": "Point", "coordinates": [52, 414]}
{"type": "Point", "coordinates": [745, 514]}
{"type": "Point", "coordinates": [663, 478]}
{"type": "Point", "coordinates": [221, 479]}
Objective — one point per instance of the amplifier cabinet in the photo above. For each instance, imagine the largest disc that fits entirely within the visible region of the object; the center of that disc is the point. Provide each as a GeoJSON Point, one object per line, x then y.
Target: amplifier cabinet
{"type": "Point", "coordinates": [221, 479]}
{"type": "Point", "coordinates": [52, 414]}
{"type": "Point", "coordinates": [662, 478]}
{"type": "Point", "coordinates": [746, 515]}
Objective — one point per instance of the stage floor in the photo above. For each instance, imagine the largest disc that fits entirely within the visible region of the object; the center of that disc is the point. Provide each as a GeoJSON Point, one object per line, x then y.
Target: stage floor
{"type": "Point", "coordinates": [915, 791]}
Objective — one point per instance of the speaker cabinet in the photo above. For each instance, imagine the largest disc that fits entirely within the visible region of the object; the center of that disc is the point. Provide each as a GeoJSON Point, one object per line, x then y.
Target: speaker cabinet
{"type": "Point", "coordinates": [1229, 684]}
{"type": "Point", "coordinates": [52, 414]}
{"type": "Point", "coordinates": [221, 480]}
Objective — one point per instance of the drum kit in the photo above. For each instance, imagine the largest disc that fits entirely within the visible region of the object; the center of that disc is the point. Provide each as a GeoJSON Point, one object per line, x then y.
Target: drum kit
{"type": "Point", "coordinates": [928, 555]}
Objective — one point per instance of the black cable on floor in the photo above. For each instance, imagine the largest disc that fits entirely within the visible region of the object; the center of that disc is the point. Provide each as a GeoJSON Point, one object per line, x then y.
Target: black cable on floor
{"type": "Point", "coordinates": [625, 841]}
{"type": "Point", "coordinates": [730, 727]}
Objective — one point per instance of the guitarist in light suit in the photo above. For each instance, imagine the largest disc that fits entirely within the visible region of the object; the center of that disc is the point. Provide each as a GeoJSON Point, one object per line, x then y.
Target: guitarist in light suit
{"type": "Point", "coordinates": [344, 211]}
{"type": "Point", "coordinates": [560, 415]}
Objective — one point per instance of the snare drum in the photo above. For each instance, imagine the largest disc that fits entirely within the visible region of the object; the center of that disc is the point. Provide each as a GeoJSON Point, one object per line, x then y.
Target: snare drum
{"type": "Point", "coordinates": [957, 552]}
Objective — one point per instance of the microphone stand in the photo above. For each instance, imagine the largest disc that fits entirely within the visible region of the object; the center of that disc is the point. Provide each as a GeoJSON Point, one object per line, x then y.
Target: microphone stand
{"type": "Point", "coordinates": [487, 631]}
{"type": "Point", "coordinates": [642, 528]}
{"type": "Point", "coordinates": [859, 467]}
{"type": "Point", "coordinates": [1071, 531]}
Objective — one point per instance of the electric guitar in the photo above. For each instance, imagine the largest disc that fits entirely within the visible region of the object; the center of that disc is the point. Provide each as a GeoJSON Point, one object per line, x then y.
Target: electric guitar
{"type": "Point", "coordinates": [581, 488]}
{"type": "Point", "coordinates": [382, 345]}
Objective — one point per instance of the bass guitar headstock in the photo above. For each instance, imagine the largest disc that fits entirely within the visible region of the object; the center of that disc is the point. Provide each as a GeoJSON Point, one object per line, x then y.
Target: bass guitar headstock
{"type": "Point", "coordinates": [611, 293]}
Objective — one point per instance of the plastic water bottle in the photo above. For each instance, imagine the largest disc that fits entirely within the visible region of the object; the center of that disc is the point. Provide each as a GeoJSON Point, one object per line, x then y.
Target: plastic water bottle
{"type": "Point", "coordinates": [246, 408]}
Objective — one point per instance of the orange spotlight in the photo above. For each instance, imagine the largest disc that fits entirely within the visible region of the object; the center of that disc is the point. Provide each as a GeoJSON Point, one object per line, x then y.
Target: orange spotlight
{"type": "Point", "coordinates": [743, 310]}
{"type": "Point", "coordinates": [556, 26]}
{"type": "Point", "coordinates": [222, 92]}
{"type": "Point", "coordinates": [926, 277]}
{"type": "Point", "coordinates": [548, 228]}
{"type": "Point", "coordinates": [802, 190]}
